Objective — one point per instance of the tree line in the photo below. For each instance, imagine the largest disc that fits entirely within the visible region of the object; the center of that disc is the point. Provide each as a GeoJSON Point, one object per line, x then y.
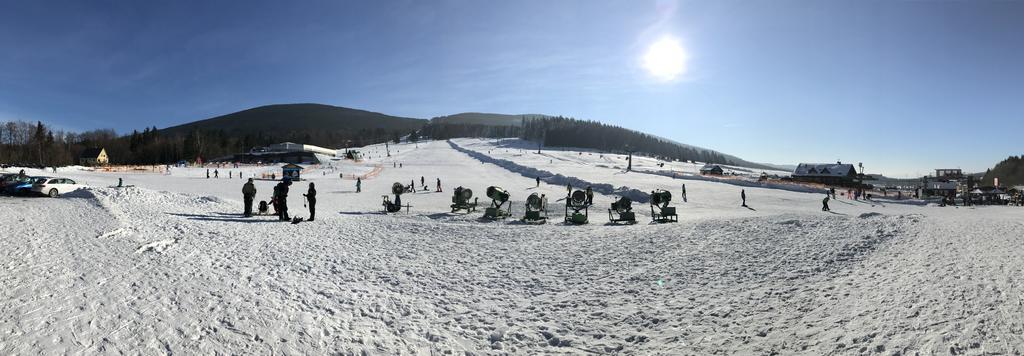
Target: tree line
{"type": "Point", "coordinates": [561, 131]}
{"type": "Point", "coordinates": [1010, 172]}
{"type": "Point", "coordinates": [39, 145]}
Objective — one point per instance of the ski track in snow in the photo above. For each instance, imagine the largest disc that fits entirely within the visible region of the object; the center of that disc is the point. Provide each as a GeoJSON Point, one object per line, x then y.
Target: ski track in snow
{"type": "Point", "coordinates": [169, 267]}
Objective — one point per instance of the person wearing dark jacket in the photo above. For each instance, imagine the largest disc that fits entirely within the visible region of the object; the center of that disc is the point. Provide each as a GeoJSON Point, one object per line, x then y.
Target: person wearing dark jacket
{"type": "Point", "coordinates": [743, 196]}
{"type": "Point", "coordinates": [311, 200]}
{"type": "Point", "coordinates": [590, 196]}
{"type": "Point", "coordinates": [282, 199]}
{"type": "Point", "coordinates": [824, 204]}
{"type": "Point", "coordinates": [248, 193]}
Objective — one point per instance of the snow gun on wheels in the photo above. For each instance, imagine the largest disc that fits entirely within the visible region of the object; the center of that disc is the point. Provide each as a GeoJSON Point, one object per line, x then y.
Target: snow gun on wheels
{"type": "Point", "coordinates": [622, 212]}
{"type": "Point", "coordinates": [499, 198]}
{"type": "Point", "coordinates": [395, 206]}
{"type": "Point", "coordinates": [659, 200]}
{"type": "Point", "coordinates": [577, 202]}
{"type": "Point", "coordinates": [536, 209]}
{"type": "Point", "coordinates": [460, 200]}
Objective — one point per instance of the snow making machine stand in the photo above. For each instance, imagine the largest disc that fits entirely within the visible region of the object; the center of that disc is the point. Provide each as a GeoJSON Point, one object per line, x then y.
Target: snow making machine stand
{"type": "Point", "coordinates": [659, 200]}
{"type": "Point", "coordinates": [577, 202]}
{"type": "Point", "coordinates": [500, 207]}
{"type": "Point", "coordinates": [536, 209]}
{"type": "Point", "coordinates": [460, 200]}
{"type": "Point", "coordinates": [622, 212]}
{"type": "Point", "coordinates": [394, 206]}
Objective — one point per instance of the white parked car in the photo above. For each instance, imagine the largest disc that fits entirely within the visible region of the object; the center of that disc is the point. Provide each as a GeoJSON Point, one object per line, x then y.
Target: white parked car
{"type": "Point", "coordinates": [55, 186]}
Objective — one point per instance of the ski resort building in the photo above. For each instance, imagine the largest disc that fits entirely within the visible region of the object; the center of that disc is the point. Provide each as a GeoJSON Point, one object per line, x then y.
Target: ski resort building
{"type": "Point", "coordinates": [291, 171]}
{"type": "Point", "coordinates": [298, 147]}
{"type": "Point", "coordinates": [838, 174]}
{"type": "Point", "coordinates": [947, 182]}
{"type": "Point", "coordinates": [285, 152]}
{"type": "Point", "coordinates": [939, 189]}
{"type": "Point", "coordinates": [712, 169]}
{"type": "Point", "coordinates": [94, 157]}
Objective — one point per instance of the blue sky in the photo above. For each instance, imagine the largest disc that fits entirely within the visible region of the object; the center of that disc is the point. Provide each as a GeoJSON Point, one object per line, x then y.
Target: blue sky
{"type": "Point", "coordinates": [903, 86]}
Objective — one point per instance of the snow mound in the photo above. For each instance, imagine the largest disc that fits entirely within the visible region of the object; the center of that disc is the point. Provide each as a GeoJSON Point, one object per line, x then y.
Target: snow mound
{"type": "Point", "coordinates": [869, 215]}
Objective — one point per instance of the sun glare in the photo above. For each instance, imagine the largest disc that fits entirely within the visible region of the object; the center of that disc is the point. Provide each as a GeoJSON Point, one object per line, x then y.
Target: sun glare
{"type": "Point", "coordinates": [665, 59]}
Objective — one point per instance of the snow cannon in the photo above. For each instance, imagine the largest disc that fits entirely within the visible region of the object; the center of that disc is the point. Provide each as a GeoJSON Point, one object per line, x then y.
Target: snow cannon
{"type": "Point", "coordinates": [659, 200]}
{"type": "Point", "coordinates": [395, 206]}
{"type": "Point", "coordinates": [536, 209]}
{"type": "Point", "coordinates": [499, 200]}
{"type": "Point", "coordinates": [622, 212]}
{"type": "Point", "coordinates": [577, 202]}
{"type": "Point", "coordinates": [460, 200]}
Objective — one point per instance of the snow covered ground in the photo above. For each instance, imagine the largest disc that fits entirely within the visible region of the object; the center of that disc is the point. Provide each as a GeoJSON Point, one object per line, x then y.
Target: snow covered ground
{"type": "Point", "coordinates": [169, 266]}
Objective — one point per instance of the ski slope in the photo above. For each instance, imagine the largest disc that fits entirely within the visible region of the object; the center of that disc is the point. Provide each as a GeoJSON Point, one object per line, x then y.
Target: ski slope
{"type": "Point", "coordinates": [168, 266]}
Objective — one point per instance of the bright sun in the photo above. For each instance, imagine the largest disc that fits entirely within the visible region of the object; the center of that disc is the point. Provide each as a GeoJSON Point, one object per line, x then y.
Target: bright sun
{"type": "Point", "coordinates": [665, 59]}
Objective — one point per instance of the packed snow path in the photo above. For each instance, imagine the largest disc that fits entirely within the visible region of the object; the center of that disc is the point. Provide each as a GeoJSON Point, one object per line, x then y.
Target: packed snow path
{"type": "Point", "coordinates": [145, 270]}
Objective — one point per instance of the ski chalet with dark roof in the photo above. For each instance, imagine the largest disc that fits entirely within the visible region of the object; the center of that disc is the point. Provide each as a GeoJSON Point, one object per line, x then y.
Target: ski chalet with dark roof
{"type": "Point", "coordinates": [839, 174]}
{"type": "Point", "coordinates": [712, 169]}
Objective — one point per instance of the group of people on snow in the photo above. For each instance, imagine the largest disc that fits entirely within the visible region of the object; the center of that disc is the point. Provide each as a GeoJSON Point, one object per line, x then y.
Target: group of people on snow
{"type": "Point", "coordinates": [279, 199]}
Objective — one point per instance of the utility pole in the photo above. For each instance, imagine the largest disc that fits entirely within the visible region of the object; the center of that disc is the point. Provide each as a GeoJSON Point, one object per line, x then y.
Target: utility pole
{"type": "Point", "coordinates": [629, 167]}
{"type": "Point", "coordinates": [541, 142]}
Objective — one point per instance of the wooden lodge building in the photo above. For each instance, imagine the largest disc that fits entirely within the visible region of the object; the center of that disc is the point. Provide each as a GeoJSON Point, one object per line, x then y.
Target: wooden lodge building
{"type": "Point", "coordinates": [712, 170]}
{"type": "Point", "coordinates": [836, 174]}
{"type": "Point", "coordinates": [94, 157]}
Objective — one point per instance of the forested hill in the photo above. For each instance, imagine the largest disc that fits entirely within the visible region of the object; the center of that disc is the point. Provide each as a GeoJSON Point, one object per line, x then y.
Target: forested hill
{"type": "Point", "coordinates": [309, 123]}
{"type": "Point", "coordinates": [1010, 172]}
{"type": "Point", "coordinates": [486, 119]}
{"type": "Point", "coordinates": [557, 131]}
{"type": "Point", "coordinates": [328, 126]}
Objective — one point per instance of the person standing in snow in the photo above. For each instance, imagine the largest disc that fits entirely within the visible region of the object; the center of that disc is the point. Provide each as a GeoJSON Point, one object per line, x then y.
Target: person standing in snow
{"type": "Point", "coordinates": [438, 185]}
{"type": "Point", "coordinates": [824, 204]}
{"type": "Point", "coordinates": [275, 200]}
{"type": "Point", "coordinates": [684, 192]}
{"type": "Point", "coordinates": [216, 174]}
{"type": "Point", "coordinates": [743, 196]}
{"type": "Point", "coordinates": [538, 181]}
{"type": "Point", "coordinates": [282, 199]}
{"type": "Point", "coordinates": [207, 173]}
{"type": "Point", "coordinates": [590, 196]}
{"type": "Point", "coordinates": [248, 194]}
{"type": "Point", "coordinates": [311, 199]}
{"type": "Point", "coordinates": [568, 188]}
{"type": "Point", "coordinates": [412, 185]}
{"type": "Point", "coordinates": [359, 184]}
{"type": "Point", "coordinates": [423, 182]}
